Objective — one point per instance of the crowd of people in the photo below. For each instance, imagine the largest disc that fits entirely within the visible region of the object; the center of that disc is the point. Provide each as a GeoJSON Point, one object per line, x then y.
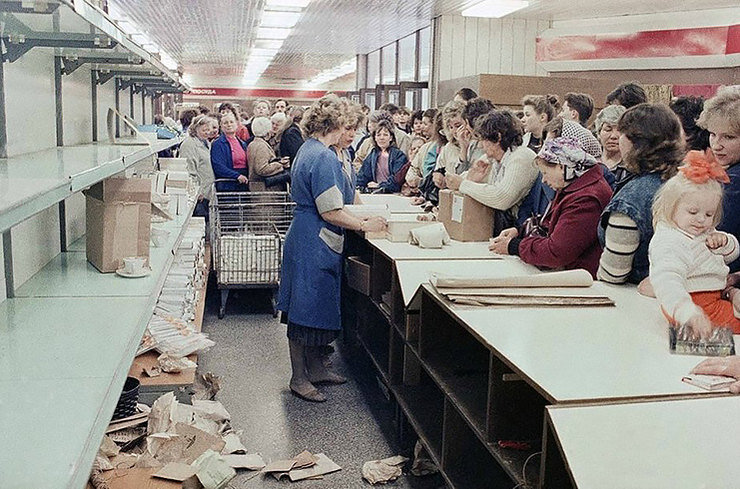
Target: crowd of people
{"type": "Point", "coordinates": [645, 194]}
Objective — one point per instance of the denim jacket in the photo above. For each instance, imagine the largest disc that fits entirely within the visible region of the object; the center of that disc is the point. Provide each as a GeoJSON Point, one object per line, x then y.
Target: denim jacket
{"type": "Point", "coordinates": [635, 200]}
{"type": "Point", "coordinates": [396, 160]}
{"type": "Point", "coordinates": [730, 205]}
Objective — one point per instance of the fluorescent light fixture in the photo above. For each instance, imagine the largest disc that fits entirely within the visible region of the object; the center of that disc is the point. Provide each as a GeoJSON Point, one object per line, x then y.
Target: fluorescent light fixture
{"type": "Point", "coordinates": [267, 44]}
{"type": "Point", "coordinates": [279, 19]}
{"type": "Point", "coordinates": [495, 8]}
{"type": "Point", "coordinates": [272, 33]}
{"type": "Point", "coordinates": [168, 61]}
{"type": "Point", "coordinates": [287, 3]}
{"type": "Point", "coordinates": [263, 53]}
{"type": "Point", "coordinates": [127, 27]}
{"type": "Point", "coordinates": [140, 39]}
{"type": "Point", "coordinates": [150, 48]}
{"type": "Point", "coordinates": [338, 71]}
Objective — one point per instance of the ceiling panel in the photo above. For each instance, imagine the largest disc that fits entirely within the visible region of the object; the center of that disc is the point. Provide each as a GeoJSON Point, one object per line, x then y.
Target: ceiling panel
{"type": "Point", "coordinates": [212, 40]}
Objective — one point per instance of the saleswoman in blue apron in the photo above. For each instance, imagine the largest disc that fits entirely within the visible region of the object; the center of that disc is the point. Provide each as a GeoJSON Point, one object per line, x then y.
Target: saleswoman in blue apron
{"type": "Point", "coordinates": [312, 255]}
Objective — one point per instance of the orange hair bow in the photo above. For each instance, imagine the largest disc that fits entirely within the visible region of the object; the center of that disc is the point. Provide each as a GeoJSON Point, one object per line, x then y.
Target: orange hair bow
{"type": "Point", "coordinates": [700, 167]}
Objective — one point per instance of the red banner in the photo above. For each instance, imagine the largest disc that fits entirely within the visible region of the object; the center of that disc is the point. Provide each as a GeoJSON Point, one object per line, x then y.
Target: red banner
{"type": "Point", "coordinates": [256, 93]}
{"type": "Point", "coordinates": [648, 44]}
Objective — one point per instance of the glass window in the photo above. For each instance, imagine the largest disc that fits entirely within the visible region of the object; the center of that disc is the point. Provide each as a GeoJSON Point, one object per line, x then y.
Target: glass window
{"type": "Point", "coordinates": [407, 58]}
{"type": "Point", "coordinates": [425, 42]}
{"type": "Point", "coordinates": [409, 99]}
{"type": "Point", "coordinates": [389, 63]}
{"type": "Point", "coordinates": [370, 100]}
{"type": "Point", "coordinates": [373, 69]}
{"type": "Point", "coordinates": [424, 98]}
{"type": "Point", "coordinates": [394, 96]}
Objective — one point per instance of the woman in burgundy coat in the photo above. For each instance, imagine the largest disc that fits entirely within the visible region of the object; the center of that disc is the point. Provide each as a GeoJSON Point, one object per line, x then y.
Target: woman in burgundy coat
{"type": "Point", "coordinates": [566, 238]}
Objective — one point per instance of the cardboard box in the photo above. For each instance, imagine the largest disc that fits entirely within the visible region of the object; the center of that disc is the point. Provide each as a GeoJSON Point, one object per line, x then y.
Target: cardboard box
{"type": "Point", "coordinates": [400, 225]}
{"type": "Point", "coordinates": [173, 164]}
{"type": "Point", "coordinates": [118, 220]}
{"type": "Point", "coordinates": [465, 218]}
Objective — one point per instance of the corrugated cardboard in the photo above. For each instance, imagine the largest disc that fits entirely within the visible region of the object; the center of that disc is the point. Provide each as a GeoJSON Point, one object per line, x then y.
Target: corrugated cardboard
{"type": "Point", "coordinates": [400, 225]}
{"type": "Point", "coordinates": [173, 164]}
{"type": "Point", "coordinates": [465, 218]}
{"type": "Point", "coordinates": [118, 219]}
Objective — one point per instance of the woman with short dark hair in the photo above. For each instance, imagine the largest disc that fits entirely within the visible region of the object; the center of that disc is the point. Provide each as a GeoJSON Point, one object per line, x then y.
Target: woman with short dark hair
{"type": "Point", "coordinates": [652, 148]}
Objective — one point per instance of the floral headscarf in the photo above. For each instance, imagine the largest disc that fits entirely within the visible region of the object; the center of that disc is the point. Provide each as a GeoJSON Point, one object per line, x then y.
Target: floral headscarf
{"type": "Point", "coordinates": [569, 153]}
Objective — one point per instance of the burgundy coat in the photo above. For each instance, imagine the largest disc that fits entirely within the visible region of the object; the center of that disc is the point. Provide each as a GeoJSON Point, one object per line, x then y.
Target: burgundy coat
{"type": "Point", "coordinates": [571, 224]}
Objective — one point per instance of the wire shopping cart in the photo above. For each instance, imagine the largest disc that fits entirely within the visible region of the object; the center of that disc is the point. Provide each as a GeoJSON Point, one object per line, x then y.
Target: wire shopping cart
{"type": "Point", "coordinates": [247, 234]}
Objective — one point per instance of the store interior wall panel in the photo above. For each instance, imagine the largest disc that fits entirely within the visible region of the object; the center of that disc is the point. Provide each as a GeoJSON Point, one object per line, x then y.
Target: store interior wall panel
{"type": "Point", "coordinates": [77, 107]}
{"type": "Point", "coordinates": [702, 76]}
{"type": "Point", "coordinates": [29, 102]}
{"type": "Point", "coordinates": [469, 46]}
{"type": "Point", "coordinates": [74, 206]}
{"type": "Point", "coordinates": [43, 231]}
{"type": "Point", "coordinates": [137, 106]}
{"type": "Point", "coordinates": [106, 100]}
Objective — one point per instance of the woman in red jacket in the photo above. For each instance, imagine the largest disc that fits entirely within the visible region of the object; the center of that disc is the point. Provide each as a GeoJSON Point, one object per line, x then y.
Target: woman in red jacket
{"type": "Point", "coordinates": [567, 236]}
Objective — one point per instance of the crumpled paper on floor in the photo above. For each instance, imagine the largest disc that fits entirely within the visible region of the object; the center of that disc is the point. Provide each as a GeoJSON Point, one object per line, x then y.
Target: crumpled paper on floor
{"type": "Point", "coordinates": [212, 470]}
{"type": "Point", "coordinates": [172, 364]}
{"type": "Point", "coordinates": [159, 416]}
{"type": "Point", "coordinates": [233, 444]}
{"type": "Point", "coordinates": [212, 410]}
{"type": "Point", "coordinates": [206, 386]}
{"type": "Point", "coordinates": [383, 471]}
{"type": "Point", "coordinates": [422, 465]}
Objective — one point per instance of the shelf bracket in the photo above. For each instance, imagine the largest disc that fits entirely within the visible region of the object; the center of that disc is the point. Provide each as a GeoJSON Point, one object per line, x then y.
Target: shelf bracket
{"type": "Point", "coordinates": [71, 63]}
{"type": "Point", "coordinates": [18, 39]}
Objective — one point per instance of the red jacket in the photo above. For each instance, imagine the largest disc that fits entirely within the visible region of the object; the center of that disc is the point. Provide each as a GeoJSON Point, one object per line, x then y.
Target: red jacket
{"type": "Point", "coordinates": [571, 224]}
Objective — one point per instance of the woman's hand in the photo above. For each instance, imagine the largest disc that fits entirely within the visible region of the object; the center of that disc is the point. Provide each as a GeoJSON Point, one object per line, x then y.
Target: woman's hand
{"type": "Point", "coordinates": [727, 366]}
{"type": "Point", "coordinates": [417, 200]}
{"type": "Point", "coordinates": [453, 181]}
{"type": "Point", "coordinates": [242, 179]}
{"type": "Point", "coordinates": [500, 244]}
{"type": "Point", "coordinates": [373, 185]}
{"type": "Point", "coordinates": [439, 180]}
{"type": "Point", "coordinates": [463, 136]}
{"type": "Point", "coordinates": [646, 288]}
{"type": "Point", "coordinates": [479, 171]}
{"type": "Point", "coordinates": [700, 325]}
{"type": "Point", "coordinates": [716, 240]}
{"type": "Point", "coordinates": [374, 224]}
{"type": "Point", "coordinates": [285, 161]}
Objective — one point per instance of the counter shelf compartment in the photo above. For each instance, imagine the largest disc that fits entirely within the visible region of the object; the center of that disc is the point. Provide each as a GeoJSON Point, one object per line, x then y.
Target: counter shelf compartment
{"type": "Point", "coordinates": [466, 462]}
{"type": "Point", "coordinates": [373, 333]}
{"type": "Point", "coordinates": [554, 473]}
{"type": "Point", "coordinates": [456, 360]}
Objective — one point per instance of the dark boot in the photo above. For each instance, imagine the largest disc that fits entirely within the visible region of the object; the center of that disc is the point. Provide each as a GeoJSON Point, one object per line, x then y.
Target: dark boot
{"type": "Point", "coordinates": [299, 383]}
{"type": "Point", "coordinates": [317, 370]}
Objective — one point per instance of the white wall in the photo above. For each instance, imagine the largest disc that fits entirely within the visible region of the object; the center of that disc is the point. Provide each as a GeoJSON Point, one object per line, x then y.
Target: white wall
{"type": "Point", "coordinates": [75, 208]}
{"type": "Point", "coordinates": [30, 102]}
{"type": "Point", "coordinates": [471, 46]}
{"type": "Point", "coordinates": [35, 242]}
{"type": "Point", "coordinates": [2, 271]}
{"type": "Point", "coordinates": [77, 107]}
{"type": "Point", "coordinates": [137, 108]}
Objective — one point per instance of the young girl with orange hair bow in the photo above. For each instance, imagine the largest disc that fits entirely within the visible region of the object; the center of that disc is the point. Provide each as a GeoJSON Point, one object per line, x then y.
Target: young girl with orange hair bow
{"type": "Point", "coordinates": [688, 256]}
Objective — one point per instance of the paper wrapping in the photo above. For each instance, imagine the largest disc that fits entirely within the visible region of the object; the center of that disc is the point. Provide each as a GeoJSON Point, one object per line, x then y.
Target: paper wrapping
{"type": "Point", "coordinates": [566, 278]}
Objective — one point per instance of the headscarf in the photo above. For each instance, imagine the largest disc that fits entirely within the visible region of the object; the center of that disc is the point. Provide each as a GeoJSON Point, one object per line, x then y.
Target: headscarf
{"type": "Point", "coordinates": [569, 153]}
{"type": "Point", "coordinates": [608, 115]}
{"type": "Point", "coordinates": [588, 142]}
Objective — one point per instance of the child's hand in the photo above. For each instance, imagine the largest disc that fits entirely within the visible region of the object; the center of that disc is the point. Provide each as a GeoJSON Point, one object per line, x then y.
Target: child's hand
{"type": "Point", "coordinates": [700, 325]}
{"type": "Point", "coordinates": [716, 240]}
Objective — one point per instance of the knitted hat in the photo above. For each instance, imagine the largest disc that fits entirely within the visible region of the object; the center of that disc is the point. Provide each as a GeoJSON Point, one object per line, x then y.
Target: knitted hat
{"type": "Point", "coordinates": [569, 153]}
{"type": "Point", "coordinates": [589, 143]}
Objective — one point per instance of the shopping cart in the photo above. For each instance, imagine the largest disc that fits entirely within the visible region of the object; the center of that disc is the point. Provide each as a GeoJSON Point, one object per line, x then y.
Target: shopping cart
{"type": "Point", "coordinates": [247, 234]}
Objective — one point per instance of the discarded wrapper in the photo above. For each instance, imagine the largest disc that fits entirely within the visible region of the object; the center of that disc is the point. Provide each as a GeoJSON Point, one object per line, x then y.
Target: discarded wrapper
{"type": "Point", "coordinates": [383, 471]}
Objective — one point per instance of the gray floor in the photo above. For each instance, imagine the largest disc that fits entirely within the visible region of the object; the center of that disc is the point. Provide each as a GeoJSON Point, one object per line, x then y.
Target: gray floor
{"type": "Point", "coordinates": [251, 356]}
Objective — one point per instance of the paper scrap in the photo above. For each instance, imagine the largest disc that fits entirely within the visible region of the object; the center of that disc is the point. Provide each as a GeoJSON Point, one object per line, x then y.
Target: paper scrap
{"type": "Point", "coordinates": [206, 386]}
{"type": "Point", "coordinates": [279, 466]}
{"type": "Point", "coordinates": [422, 465]}
{"type": "Point", "coordinates": [124, 461]}
{"type": "Point", "coordinates": [304, 460]}
{"type": "Point", "coordinates": [198, 441]}
{"type": "Point", "coordinates": [250, 461]}
{"type": "Point", "coordinates": [176, 471]}
{"type": "Point", "coordinates": [233, 444]}
{"type": "Point", "coordinates": [212, 470]}
{"type": "Point", "coordinates": [323, 466]}
{"type": "Point", "coordinates": [108, 447]}
{"type": "Point", "coordinates": [213, 410]}
{"type": "Point", "coordinates": [159, 417]}
{"type": "Point", "coordinates": [166, 447]}
{"type": "Point", "coordinates": [172, 364]}
{"type": "Point", "coordinates": [385, 470]}
{"type": "Point", "coordinates": [154, 371]}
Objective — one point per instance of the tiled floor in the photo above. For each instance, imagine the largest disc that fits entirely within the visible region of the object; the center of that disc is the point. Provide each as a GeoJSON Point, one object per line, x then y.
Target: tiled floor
{"type": "Point", "coordinates": [354, 426]}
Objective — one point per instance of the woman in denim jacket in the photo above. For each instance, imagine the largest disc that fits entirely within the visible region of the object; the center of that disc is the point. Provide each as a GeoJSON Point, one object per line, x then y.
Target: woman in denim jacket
{"type": "Point", "coordinates": [378, 170]}
{"type": "Point", "coordinates": [652, 148]}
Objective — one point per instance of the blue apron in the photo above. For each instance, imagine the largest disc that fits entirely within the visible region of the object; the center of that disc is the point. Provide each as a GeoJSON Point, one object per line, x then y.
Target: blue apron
{"type": "Point", "coordinates": [312, 256]}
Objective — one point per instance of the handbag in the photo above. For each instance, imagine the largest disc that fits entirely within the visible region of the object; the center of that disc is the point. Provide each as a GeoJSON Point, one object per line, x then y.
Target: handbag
{"type": "Point", "coordinates": [278, 179]}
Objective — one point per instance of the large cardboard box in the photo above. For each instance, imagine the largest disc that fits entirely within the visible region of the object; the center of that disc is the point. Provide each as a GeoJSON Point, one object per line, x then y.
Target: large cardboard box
{"type": "Point", "coordinates": [118, 220]}
{"type": "Point", "coordinates": [465, 218]}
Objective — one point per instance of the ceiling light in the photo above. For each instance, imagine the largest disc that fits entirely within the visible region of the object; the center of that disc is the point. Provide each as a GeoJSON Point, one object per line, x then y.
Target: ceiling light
{"type": "Point", "coordinates": [338, 71]}
{"type": "Point", "coordinates": [287, 3]}
{"type": "Point", "coordinates": [127, 27]}
{"type": "Point", "coordinates": [272, 33]}
{"type": "Point", "coordinates": [267, 44]}
{"type": "Point", "coordinates": [168, 61]}
{"type": "Point", "coordinates": [140, 39]}
{"type": "Point", "coordinates": [258, 52]}
{"type": "Point", "coordinates": [495, 8]}
{"type": "Point", "coordinates": [279, 19]}
{"type": "Point", "coordinates": [150, 48]}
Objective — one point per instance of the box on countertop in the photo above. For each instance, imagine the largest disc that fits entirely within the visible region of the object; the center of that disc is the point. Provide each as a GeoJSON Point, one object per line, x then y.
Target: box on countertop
{"type": "Point", "coordinates": [465, 218]}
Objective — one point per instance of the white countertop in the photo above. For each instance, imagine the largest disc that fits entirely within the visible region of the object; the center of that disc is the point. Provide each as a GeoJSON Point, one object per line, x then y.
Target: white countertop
{"type": "Point", "coordinates": [669, 444]}
{"type": "Point", "coordinates": [456, 250]}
